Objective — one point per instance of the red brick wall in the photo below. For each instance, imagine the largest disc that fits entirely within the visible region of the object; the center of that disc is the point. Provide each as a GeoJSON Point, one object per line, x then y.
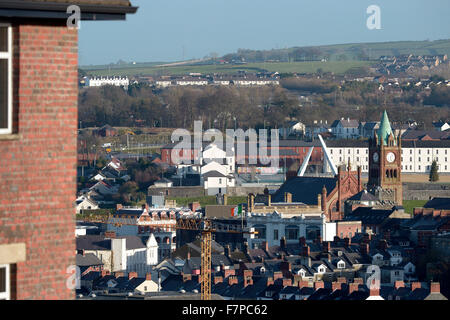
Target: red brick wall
{"type": "Point", "coordinates": [346, 228]}
{"type": "Point", "coordinates": [38, 170]}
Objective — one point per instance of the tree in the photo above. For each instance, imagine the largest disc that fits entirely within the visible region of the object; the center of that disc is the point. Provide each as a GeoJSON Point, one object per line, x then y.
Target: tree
{"type": "Point", "coordinates": [434, 175]}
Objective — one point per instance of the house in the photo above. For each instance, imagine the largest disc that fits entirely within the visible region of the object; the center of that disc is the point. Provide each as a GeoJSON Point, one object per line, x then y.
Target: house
{"type": "Point", "coordinates": [85, 203]}
{"type": "Point", "coordinates": [127, 254]}
{"type": "Point", "coordinates": [39, 122]}
{"type": "Point", "coordinates": [345, 128]}
{"type": "Point", "coordinates": [88, 263]}
{"type": "Point", "coordinates": [292, 128]}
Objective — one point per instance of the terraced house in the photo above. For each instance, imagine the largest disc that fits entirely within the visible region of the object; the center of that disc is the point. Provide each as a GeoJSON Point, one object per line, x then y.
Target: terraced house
{"type": "Point", "coordinates": [38, 128]}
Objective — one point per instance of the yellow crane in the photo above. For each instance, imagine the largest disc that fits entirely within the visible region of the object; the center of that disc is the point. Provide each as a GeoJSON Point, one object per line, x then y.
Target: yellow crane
{"type": "Point", "coordinates": [204, 225]}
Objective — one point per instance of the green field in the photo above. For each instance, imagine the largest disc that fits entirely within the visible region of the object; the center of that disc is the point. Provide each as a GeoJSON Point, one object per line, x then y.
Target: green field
{"type": "Point", "coordinates": [409, 205]}
{"type": "Point", "coordinates": [351, 51]}
{"type": "Point", "coordinates": [207, 200]}
{"type": "Point", "coordinates": [338, 67]}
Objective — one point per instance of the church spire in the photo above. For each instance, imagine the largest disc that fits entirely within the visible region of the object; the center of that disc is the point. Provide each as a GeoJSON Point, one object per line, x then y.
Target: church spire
{"type": "Point", "coordinates": [385, 129]}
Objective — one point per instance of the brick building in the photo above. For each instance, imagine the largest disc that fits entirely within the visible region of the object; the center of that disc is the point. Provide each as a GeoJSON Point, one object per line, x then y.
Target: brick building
{"type": "Point", "coordinates": [38, 128]}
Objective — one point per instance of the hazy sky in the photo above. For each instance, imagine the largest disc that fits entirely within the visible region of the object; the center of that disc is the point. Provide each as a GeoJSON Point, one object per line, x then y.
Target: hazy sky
{"type": "Point", "coordinates": [168, 30]}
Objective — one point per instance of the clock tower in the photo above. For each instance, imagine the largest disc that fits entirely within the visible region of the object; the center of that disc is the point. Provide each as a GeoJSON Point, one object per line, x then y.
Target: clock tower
{"type": "Point", "coordinates": [385, 163]}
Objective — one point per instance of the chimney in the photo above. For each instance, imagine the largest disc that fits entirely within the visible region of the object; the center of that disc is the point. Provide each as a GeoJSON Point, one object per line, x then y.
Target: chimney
{"type": "Point", "coordinates": [326, 246]}
{"type": "Point", "coordinates": [132, 275]}
{"type": "Point", "coordinates": [374, 292]}
{"type": "Point", "coordinates": [336, 286]}
{"type": "Point", "coordinates": [415, 285]}
{"type": "Point", "coordinates": [324, 199]}
{"type": "Point", "coordinates": [318, 285]}
{"type": "Point", "coordinates": [119, 274]}
{"type": "Point", "coordinates": [269, 281]}
{"type": "Point", "coordinates": [105, 273]}
{"type": "Point", "coordinates": [248, 281]}
{"type": "Point", "coordinates": [250, 202]}
{"type": "Point", "coordinates": [119, 206]}
{"type": "Point", "coordinates": [188, 257]}
{"type": "Point", "coordinates": [110, 234]}
{"type": "Point", "coordinates": [228, 272]}
{"type": "Point", "coordinates": [399, 284]}
{"type": "Point", "coordinates": [283, 243]}
{"type": "Point", "coordinates": [277, 275]}
{"type": "Point", "coordinates": [218, 279]}
{"type": "Point", "coordinates": [358, 280]}
{"type": "Point", "coordinates": [269, 200]}
{"type": "Point", "coordinates": [303, 284]}
{"type": "Point", "coordinates": [232, 280]}
{"type": "Point", "coordinates": [435, 287]}
{"type": "Point", "coordinates": [148, 276]}
{"type": "Point", "coordinates": [187, 277]}
{"type": "Point", "coordinates": [288, 197]}
{"type": "Point", "coordinates": [353, 287]}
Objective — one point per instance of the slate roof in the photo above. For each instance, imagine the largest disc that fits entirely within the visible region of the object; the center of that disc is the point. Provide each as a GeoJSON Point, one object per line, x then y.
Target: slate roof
{"type": "Point", "coordinates": [363, 195]}
{"type": "Point", "coordinates": [438, 203]}
{"type": "Point", "coordinates": [304, 189]}
{"type": "Point", "coordinates": [89, 259]}
{"type": "Point", "coordinates": [99, 242]}
{"type": "Point", "coordinates": [368, 215]}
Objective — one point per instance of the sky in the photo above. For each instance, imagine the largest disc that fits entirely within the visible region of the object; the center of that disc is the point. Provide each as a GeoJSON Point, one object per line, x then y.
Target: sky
{"type": "Point", "coordinates": [173, 30]}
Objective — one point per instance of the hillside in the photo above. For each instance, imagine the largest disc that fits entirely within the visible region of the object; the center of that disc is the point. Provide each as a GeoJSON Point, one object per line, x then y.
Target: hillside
{"type": "Point", "coordinates": [340, 58]}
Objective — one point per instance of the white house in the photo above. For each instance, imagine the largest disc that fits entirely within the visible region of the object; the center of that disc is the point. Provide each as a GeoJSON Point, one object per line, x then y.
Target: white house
{"type": "Point", "coordinates": [85, 203]}
{"type": "Point", "coordinates": [441, 126]}
{"type": "Point", "coordinates": [104, 81]}
{"type": "Point", "coordinates": [128, 254]}
{"type": "Point", "coordinates": [271, 227]}
{"type": "Point", "coordinates": [217, 171]}
{"type": "Point", "coordinates": [345, 128]}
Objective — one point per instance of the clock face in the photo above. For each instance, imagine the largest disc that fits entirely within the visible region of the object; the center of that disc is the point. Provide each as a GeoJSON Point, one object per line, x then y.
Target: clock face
{"type": "Point", "coordinates": [375, 157]}
{"type": "Point", "coordinates": [390, 157]}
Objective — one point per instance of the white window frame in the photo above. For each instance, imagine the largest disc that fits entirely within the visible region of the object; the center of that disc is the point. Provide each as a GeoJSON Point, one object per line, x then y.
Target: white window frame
{"type": "Point", "coordinates": [6, 295]}
{"type": "Point", "coordinates": [8, 55]}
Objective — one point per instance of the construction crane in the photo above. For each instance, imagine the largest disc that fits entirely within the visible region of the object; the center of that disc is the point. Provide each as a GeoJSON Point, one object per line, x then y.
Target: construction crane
{"type": "Point", "coordinates": [204, 225]}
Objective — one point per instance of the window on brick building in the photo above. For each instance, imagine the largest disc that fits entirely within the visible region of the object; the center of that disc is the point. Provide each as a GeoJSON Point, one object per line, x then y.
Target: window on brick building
{"type": "Point", "coordinates": [4, 282]}
{"type": "Point", "coordinates": [5, 79]}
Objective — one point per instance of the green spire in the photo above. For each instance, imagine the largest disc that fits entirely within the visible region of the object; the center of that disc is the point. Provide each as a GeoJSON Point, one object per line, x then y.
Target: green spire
{"type": "Point", "coordinates": [385, 129]}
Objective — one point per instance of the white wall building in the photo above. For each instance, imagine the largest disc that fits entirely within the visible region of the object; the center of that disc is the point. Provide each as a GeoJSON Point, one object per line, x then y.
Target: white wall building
{"type": "Point", "coordinates": [272, 227]}
{"type": "Point", "coordinates": [417, 156]}
{"type": "Point", "coordinates": [104, 81]}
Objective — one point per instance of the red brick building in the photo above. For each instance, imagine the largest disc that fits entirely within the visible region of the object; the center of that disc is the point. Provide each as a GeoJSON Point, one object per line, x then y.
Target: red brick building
{"type": "Point", "coordinates": [38, 129]}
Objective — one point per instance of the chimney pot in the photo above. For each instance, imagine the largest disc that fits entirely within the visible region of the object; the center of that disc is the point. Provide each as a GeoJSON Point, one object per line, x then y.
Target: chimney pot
{"type": "Point", "coordinates": [435, 287]}
{"type": "Point", "coordinates": [132, 275]}
{"type": "Point", "coordinates": [399, 284]}
{"type": "Point", "coordinates": [415, 285]}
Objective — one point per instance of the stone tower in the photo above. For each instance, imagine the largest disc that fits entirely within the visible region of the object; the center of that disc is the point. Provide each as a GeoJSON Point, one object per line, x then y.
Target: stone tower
{"type": "Point", "coordinates": [385, 163]}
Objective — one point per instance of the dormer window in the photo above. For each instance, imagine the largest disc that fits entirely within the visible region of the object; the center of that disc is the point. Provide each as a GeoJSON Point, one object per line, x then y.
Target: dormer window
{"type": "Point", "coordinates": [321, 269]}
{"type": "Point", "coordinates": [341, 265]}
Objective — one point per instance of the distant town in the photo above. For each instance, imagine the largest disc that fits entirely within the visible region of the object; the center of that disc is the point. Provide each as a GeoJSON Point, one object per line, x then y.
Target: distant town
{"type": "Point", "coordinates": [304, 173]}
